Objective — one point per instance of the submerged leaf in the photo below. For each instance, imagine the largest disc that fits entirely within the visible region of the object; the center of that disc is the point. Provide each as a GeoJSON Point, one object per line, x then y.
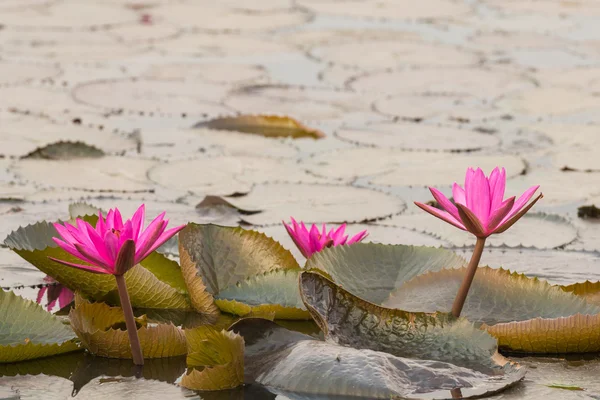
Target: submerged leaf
{"type": "Point", "coordinates": [28, 332]}
{"type": "Point", "coordinates": [244, 270]}
{"type": "Point", "coordinates": [287, 361]}
{"type": "Point", "coordinates": [350, 321]}
{"type": "Point", "coordinates": [265, 125]}
{"type": "Point", "coordinates": [371, 271]}
{"type": "Point", "coordinates": [524, 314]}
{"type": "Point", "coordinates": [95, 325]}
{"type": "Point", "coordinates": [146, 289]}
{"type": "Point", "coordinates": [220, 353]}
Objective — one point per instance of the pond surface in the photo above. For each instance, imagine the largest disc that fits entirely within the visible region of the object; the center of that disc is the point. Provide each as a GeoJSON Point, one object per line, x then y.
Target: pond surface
{"type": "Point", "coordinates": [407, 93]}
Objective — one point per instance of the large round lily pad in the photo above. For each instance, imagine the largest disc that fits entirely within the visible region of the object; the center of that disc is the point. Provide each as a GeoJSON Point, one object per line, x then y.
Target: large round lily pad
{"type": "Point", "coordinates": [22, 134]}
{"type": "Point", "coordinates": [322, 370]}
{"type": "Point", "coordinates": [379, 54]}
{"type": "Point", "coordinates": [525, 314]}
{"type": "Point", "coordinates": [297, 102]}
{"type": "Point", "coordinates": [390, 9]}
{"type": "Point", "coordinates": [69, 15]}
{"type": "Point", "coordinates": [551, 231]}
{"type": "Point", "coordinates": [18, 73]}
{"type": "Point", "coordinates": [548, 101]}
{"type": "Point", "coordinates": [221, 45]}
{"type": "Point", "coordinates": [409, 136]}
{"type": "Point", "coordinates": [111, 174]}
{"type": "Point", "coordinates": [452, 107]}
{"type": "Point", "coordinates": [27, 331]}
{"type": "Point", "coordinates": [371, 271]}
{"type": "Point", "coordinates": [215, 17]}
{"type": "Point", "coordinates": [314, 203]}
{"type": "Point", "coordinates": [208, 72]}
{"type": "Point", "coordinates": [478, 82]}
{"type": "Point", "coordinates": [174, 97]}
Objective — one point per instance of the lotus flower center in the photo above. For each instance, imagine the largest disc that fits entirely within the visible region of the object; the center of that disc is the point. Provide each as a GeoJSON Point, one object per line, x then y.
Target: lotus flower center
{"type": "Point", "coordinates": [116, 232]}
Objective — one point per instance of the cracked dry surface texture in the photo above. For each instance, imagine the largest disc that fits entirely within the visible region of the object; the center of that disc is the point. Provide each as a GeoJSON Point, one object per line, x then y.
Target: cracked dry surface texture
{"type": "Point", "coordinates": [407, 95]}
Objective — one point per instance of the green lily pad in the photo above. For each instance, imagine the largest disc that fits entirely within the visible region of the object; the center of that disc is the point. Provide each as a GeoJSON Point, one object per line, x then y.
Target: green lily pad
{"type": "Point", "coordinates": [146, 289]}
{"type": "Point", "coordinates": [350, 321]}
{"type": "Point", "coordinates": [219, 353]}
{"type": "Point", "coordinates": [244, 270]}
{"type": "Point", "coordinates": [298, 367]}
{"type": "Point", "coordinates": [524, 314]}
{"type": "Point", "coordinates": [65, 151]}
{"type": "Point", "coordinates": [496, 296]}
{"type": "Point", "coordinates": [28, 332]}
{"type": "Point", "coordinates": [95, 324]}
{"type": "Point", "coordinates": [371, 271]}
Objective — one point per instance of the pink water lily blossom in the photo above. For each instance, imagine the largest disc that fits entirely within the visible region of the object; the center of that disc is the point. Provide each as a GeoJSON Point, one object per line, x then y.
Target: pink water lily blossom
{"type": "Point", "coordinates": [313, 240]}
{"type": "Point", "coordinates": [480, 207]}
{"type": "Point", "coordinates": [99, 247]}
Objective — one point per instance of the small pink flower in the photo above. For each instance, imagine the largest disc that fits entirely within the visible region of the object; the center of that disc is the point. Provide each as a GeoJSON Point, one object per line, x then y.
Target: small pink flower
{"type": "Point", "coordinates": [312, 241]}
{"type": "Point", "coordinates": [101, 246]}
{"type": "Point", "coordinates": [480, 207]}
{"type": "Point", "coordinates": [56, 293]}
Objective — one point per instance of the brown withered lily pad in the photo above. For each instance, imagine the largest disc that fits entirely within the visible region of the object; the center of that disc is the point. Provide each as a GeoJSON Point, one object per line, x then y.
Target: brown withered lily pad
{"type": "Point", "coordinates": [265, 125]}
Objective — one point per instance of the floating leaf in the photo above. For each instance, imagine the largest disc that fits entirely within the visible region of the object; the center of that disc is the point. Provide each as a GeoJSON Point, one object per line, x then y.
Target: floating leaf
{"type": "Point", "coordinates": [590, 291]}
{"type": "Point", "coordinates": [28, 332]}
{"type": "Point", "coordinates": [34, 243]}
{"type": "Point", "coordinates": [524, 314]}
{"type": "Point", "coordinates": [220, 353]}
{"type": "Point", "coordinates": [350, 321]}
{"type": "Point", "coordinates": [565, 387]}
{"type": "Point", "coordinates": [265, 125]}
{"type": "Point", "coordinates": [552, 231]}
{"type": "Point", "coordinates": [245, 270]}
{"type": "Point", "coordinates": [65, 151]}
{"type": "Point", "coordinates": [97, 326]}
{"type": "Point", "coordinates": [371, 271]}
{"type": "Point", "coordinates": [315, 203]}
{"type": "Point", "coordinates": [290, 362]}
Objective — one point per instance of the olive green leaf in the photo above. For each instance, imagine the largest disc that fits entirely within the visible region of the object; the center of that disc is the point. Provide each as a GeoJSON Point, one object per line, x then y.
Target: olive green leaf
{"type": "Point", "coordinates": [524, 314]}
{"type": "Point", "coordinates": [244, 270]}
{"type": "Point", "coordinates": [101, 331]}
{"type": "Point", "coordinates": [297, 367]}
{"type": "Point", "coordinates": [28, 332]}
{"type": "Point", "coordinates": [371, 271]}
{"type": "Point", "coordinates": [146, 287]}
{"type": "Point", "coordinates": [220, 354]}
{"type": "Point", "coordinates": [350, 321]}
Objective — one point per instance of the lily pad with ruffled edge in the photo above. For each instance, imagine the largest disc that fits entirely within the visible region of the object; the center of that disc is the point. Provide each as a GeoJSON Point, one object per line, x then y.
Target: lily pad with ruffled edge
{"type": "Point", "coordinates": [525, 314]}
{"type": "Point", "coordinates": [372, 271]}
{"type": "Point", "coordinates": [101, 331]}
{"type": "Point", "coordinates": [145, 282]}
{"type": "Point", "coordinates": [215, 359]}
{"type": "Point", "coordinates": [350, 321]}
{"type": "Point", "coordinates": [298, 366]}
{"type": "Point", "coordinates": [28, 332]}
{"type": "Point", "coordinates": [265, 125]}
{"type": "Point", "coordinates": [244, 270]}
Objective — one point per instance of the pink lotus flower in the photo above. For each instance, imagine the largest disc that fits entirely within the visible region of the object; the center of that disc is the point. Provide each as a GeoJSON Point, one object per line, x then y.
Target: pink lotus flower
{"type": "Point", "coordinates": [312, 241]}
{"type": "Point", "coordinates": [100, 247]}
{"type": "Point", "coordinates": [480, 207]}
{"type": "Point", "coordinates": [56, 293]}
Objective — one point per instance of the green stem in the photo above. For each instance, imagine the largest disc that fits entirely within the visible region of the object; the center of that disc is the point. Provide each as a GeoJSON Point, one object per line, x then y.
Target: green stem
{"type": "Point", "coordinates": [134, 340]}
{"type": "Point", "coordinates": [461, 296]}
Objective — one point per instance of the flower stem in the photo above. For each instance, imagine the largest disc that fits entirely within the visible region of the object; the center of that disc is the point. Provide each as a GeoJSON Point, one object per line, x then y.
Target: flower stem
{"type": "Point", "coordinates": [461, 296]}
{"type": "Point", "coordinates": [134, 340]}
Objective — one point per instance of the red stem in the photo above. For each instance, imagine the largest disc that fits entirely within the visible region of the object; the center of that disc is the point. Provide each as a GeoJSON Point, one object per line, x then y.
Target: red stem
{"type": "Point", "coordinates": [461, 296]}
{"type": "Point", "coordinates": [134, 340]}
